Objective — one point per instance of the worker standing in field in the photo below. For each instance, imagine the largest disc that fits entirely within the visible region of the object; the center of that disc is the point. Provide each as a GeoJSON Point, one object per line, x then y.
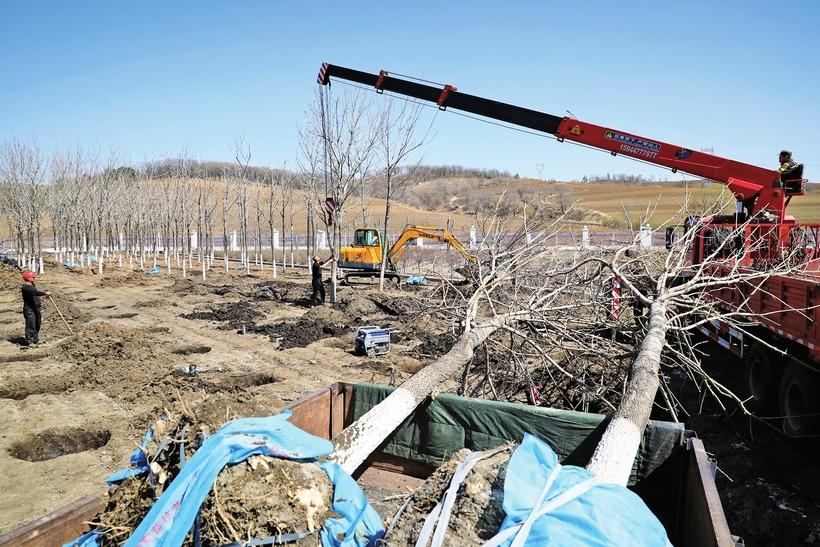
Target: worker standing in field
{"type": "Point", "coordinates": [31, 308]}
{"type": "Point", "coordinates": [318, 287]}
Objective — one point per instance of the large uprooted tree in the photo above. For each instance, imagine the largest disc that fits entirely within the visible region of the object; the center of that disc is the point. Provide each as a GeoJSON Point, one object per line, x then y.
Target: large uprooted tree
{"type": "Point", "coordinates": [545, 307]}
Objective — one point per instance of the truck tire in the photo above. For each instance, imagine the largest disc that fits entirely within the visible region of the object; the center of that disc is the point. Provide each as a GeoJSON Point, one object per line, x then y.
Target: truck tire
{"type": "Point", "coordinates": [759, 380]}
{"type": "Point", "coordinates": [798, 404]}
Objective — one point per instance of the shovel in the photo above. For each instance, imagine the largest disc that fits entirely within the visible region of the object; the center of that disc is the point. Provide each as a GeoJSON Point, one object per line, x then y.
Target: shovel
{"type": "Point", "coordinates": [61, 315]}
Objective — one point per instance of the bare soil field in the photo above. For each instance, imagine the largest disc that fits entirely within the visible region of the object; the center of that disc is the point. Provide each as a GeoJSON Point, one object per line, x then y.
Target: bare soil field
{"type": "Point", "coordinates": [73, 410]}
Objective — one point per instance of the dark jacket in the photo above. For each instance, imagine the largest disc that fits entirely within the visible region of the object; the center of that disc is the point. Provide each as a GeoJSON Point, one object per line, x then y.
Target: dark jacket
{"type": "Point", "coordinates": [31, 296]}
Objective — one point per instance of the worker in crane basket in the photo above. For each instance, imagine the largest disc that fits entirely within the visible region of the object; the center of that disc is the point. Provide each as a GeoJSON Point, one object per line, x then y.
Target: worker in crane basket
{"type": "Point", "coordinates": [787, 164]}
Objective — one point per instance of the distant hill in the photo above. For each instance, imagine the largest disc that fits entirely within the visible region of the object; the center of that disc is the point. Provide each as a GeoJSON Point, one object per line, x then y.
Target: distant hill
{"type": "Point", "coordinates": [458, 197]}
{"type": "Point", "coordinates": [602, 204]}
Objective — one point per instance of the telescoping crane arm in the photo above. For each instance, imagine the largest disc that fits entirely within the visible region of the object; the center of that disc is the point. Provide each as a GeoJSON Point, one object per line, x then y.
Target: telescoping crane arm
{"type": "Point", "coordinates": [748, 183]}
{"type": "Point", "coordinates": [435, 234]}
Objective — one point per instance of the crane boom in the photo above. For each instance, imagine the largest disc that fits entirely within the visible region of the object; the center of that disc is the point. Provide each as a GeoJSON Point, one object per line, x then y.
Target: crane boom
{"type": "Point", "coordinates": [779, 309]}
{"type": "Point", "coordinates": [757, 187]}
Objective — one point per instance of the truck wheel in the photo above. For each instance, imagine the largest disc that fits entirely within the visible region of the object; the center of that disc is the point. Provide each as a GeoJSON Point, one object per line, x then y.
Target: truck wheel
{"type": "Point", "coordinates": [760, 381]}
{"type": "Point", "coordinates": [797, 406]}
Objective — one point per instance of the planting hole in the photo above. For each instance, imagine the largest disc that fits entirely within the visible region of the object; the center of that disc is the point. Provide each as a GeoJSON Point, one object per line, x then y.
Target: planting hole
{"type": "Point", "coordinates": [56, 442]}
{"type": "Point", "coordinates": [188, 350]}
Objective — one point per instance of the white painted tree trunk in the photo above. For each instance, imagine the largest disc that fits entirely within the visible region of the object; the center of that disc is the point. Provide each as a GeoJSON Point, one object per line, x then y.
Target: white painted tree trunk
{"type": "Point", "coordinates": [353, 445]}
{"type": "Point", "coordinates": [615, 453]}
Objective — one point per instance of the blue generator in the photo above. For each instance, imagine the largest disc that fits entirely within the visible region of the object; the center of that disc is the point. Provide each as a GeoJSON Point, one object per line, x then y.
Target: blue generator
{"type": "Point", "coordinates": [372, 341]}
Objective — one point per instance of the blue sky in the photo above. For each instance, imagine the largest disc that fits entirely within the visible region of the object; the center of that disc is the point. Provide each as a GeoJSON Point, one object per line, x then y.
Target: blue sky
{"type": "Point", "coordinates": [150, 79]}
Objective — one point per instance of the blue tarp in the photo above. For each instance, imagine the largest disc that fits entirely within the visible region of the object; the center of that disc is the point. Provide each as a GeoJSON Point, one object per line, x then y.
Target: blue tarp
{"type": "Point", "coordinates": [172, 516]}
{"type": "Point", "coordinates": [565, 506]}
{"type": "Point", "coordinates": [153, 271]}
{"type": "Point", "coordinates": [139, 461]}
{"type": "Point", "coordinates": [417, 280]}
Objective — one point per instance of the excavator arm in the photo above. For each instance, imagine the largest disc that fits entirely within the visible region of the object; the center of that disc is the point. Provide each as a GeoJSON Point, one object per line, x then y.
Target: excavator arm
{"type": "Point", "coordinates": [756, 187]}
{"type": "Point", "coordinates": [435, 234]}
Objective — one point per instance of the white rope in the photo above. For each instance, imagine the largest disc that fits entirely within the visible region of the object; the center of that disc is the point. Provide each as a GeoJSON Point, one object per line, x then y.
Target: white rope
{"type": "Point", "coordinates": [440, 515]}
{"type": "Point", "coordinates": [559, 500]}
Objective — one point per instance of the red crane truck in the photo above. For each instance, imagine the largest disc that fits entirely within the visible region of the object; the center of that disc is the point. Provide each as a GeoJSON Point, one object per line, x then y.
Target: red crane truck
{"type": "Point", "coordinates": [781, 350]}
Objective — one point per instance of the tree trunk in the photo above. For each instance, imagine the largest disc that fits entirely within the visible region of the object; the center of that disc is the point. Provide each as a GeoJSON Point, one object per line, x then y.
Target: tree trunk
{"type": "Point", "coordinates": [615, 453]}
{"type": "Point", "coordinates": [353, 445]}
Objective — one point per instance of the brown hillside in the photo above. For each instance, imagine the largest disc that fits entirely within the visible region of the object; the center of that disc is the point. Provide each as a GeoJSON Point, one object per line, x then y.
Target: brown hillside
{"type": "Point", "coordinates": [600, 204]}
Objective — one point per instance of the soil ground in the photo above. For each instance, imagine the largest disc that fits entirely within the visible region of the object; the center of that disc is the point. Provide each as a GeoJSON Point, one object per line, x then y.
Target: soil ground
{"type": "Point", "coordinates": [73, 410]}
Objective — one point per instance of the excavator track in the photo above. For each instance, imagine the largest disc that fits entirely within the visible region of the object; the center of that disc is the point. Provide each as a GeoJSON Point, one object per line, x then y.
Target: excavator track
{"type": "Point", "coordinates": [368, 277]}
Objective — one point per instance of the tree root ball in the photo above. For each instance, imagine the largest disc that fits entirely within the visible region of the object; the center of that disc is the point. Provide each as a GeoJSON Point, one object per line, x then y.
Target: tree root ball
{"type": "Point", "coordinates": [476, 514]}
{"type": "Point", "coordinates": [267, 496]}
{"type": "Point", "coordinates": [257, 498]}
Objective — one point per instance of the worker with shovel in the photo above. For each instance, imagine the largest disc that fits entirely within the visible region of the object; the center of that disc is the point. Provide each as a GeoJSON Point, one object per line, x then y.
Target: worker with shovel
{"type": "Point", "coordinates": [31, 308]}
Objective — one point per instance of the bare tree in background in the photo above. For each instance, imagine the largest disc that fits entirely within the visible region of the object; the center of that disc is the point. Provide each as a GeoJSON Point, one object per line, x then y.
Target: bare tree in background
{"type": "Point", "coordinates": [183, 176]}
{"type": "Point", "coordinates": [345, 127]}
{"type": "Point", "coordinates": [24, 173]}
{"type": "Point", "coordinates": [70, 170]}
{"type": "Point", "coordinates": [285, 183]}
{"type": "Point", "coordinates": [228, 201]}
{"type": "Point", "coordinates": [240, 174]}
{"type": "Point", "coordinates": [269, 212]}
{"type": "Point", "coordinates": [311, 166]}
{"type": "Point", "coordinates": [206, 205]}
{"type": "Point", "coordinates": [563, 195]}
{"type": "Point", "coordinates": [396, 144]}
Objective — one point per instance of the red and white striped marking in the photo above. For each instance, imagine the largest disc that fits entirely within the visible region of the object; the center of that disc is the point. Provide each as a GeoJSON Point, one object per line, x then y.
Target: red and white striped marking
{"type": "Point", "coordinates": [615, 312]}
{"type": "Point", "coordinates": [330, 205]}
{"type": "Point", "coordinates": [321, 79]}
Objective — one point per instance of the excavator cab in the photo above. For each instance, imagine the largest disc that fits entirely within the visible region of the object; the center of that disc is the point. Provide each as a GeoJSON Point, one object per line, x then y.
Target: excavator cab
{"type": "Point", "coordinates": [365, 237]}
{"type": "Point", "coordinates": [366, 252]}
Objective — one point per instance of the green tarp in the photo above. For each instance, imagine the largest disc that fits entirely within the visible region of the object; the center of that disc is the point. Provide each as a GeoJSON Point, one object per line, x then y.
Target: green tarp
{"type": "Point", "coordinates": [441, 426]}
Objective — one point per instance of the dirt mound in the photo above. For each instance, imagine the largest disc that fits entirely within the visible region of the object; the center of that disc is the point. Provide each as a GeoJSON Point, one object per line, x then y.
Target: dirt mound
{"type": "Point", "coordinates": [233, 314]}
{"type": "Point", "coordinates": [360, 308]}
{"type": "Point", "coordinates": [112, 280]}
{"type": "Point", "coordinates": [435, 345]}
{"type": "Point", "coordinates": [319, 323]}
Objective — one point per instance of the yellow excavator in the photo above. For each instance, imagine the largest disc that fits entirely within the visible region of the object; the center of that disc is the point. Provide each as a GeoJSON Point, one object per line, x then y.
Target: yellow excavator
{"type": "Point", "coordinates": [364, 258]}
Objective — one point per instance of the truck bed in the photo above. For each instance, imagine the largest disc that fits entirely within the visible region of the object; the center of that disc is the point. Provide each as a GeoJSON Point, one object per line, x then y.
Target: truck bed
{"type": "Point", "coordinates": [676, 482]}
